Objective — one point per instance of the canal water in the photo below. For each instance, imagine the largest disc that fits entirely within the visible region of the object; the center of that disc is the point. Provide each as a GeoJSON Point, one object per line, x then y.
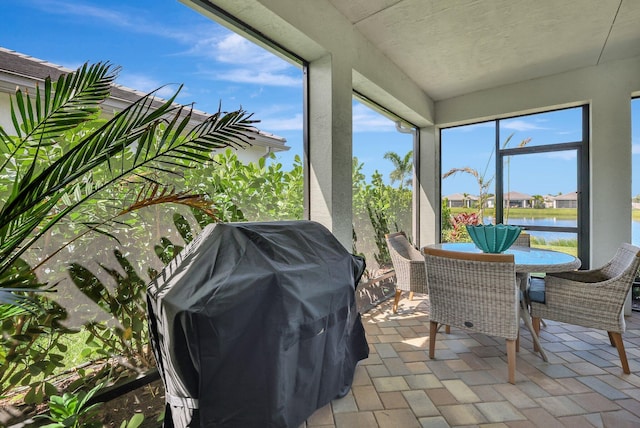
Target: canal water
{"type": "Point", "coordinates": [555, 236]}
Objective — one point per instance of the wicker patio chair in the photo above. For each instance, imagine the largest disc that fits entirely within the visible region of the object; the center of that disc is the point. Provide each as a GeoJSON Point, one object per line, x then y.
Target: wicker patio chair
{"type": "Point", "coordinates": [408, 264]}
{"type": "Point", "coordinates": [476, 292]}
{"type": "Point", "coordinates": [591, 298]}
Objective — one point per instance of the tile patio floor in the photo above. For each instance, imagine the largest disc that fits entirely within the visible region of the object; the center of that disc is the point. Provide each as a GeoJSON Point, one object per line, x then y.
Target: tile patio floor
{"type": "Point", "coordinates": [582, 385]}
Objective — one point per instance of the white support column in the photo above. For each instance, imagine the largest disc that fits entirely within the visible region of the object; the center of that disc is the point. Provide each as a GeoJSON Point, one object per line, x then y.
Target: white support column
{"type": "Point", "coordinates": [429, 190]}
{"type": "Point", "coordinates": [330, 146]}
{"type": "Point", "coordinates": [610, 169]}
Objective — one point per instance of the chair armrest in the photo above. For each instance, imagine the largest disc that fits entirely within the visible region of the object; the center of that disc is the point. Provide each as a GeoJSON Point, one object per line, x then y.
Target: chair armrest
{"type": "Point", "coordinates": [589, 304]}
{"type": "Point", "coordinates": [580, 294]}
{"type": "Point", "coordinates": [583, 276]}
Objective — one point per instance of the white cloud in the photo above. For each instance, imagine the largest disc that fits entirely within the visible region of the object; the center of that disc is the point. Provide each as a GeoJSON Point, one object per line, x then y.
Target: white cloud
{"type": "Point", "coordinates": [75, 8]}
{"type": "Point", "coordinates": [635, 149]}
{"type": "Point", "coordinates": [235, 49]}
{"type": "Point", "coordinates": [206, 41]}
{"type": "Point", "coordinates": [366, 120]}
{"type": "Point", "coordinates": [519, 125]}
{"type": "Point", "coordinates": [133, 19]}
{"type": "Point", "coordinates": [246, 75]}
{"type": "Point", "coordinates": [282, 124]}
{"type": "Point", "coordinates": [252, 64]}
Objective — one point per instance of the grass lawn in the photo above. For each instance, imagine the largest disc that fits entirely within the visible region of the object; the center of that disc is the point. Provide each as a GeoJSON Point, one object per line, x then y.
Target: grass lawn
{"type": "Point", "coordinates": [561, 248]}
{"type": "Point", "coordinates": [560, 213]}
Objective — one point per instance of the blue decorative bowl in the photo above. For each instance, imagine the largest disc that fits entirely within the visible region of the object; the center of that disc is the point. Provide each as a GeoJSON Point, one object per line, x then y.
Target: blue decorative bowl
{"type": "Point", "coordinates": [493, 238]}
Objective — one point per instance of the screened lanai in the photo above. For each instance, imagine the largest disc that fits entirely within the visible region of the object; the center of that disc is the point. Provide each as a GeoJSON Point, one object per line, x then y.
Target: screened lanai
{"type": "Point", "coordinates": [437, 64]}
{"type": "Point", "coordinates": [433, 65]}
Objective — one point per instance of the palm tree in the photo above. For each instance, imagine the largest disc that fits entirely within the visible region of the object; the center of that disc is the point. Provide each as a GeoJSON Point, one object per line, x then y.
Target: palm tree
{"type": "Point", "coordinates": [403, 168]}
{"type": "Point", "coordinates": [51, 174]}
{"type": "Point", "coordinates": [504, 145]}
{"type": "Point", "coordinates": [538, 201]}
{"type": "Point", "coordinates": [483, 185]}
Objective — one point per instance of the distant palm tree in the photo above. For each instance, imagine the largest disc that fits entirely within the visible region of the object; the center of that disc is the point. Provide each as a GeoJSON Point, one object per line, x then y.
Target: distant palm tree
{"type": "Point", "coordinates": [483, 185]}
{"type": "Point", "coordinates": [504, 146]}
{"type": "Point", "coordinates": [483, 182]}
{"type": "Point", "coordinates": [403, 171]}
{"type": "Point", "coordinates": [538, 201]}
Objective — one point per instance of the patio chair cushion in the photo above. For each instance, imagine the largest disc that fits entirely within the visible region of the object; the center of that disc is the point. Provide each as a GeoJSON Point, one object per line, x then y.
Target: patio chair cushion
{"type": "Point", "coordinates": [536, 290]}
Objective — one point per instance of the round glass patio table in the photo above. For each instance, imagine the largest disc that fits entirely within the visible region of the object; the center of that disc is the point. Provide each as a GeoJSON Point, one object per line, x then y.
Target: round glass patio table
{"type": "Point", "coordinates": [527, 259]}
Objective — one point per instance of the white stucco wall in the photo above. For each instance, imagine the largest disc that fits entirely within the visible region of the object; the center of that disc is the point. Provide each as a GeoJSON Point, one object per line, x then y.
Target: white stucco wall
{"type": "Point", "coordinates": [5, 112]}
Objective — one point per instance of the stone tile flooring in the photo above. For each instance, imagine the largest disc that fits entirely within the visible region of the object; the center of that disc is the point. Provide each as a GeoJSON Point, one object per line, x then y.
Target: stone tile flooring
{"type": "Point", "coordinates": [582, 385]}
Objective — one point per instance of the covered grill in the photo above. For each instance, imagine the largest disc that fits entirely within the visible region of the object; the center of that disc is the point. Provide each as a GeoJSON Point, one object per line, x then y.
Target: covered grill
{"type": "Point", "coordinates": [255, 325]}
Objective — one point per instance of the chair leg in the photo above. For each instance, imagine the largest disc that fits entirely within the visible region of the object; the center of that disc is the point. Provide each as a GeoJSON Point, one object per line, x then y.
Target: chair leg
{"type": "Point", "coordinates": [617, 339]}
{"type": "Point", "coordinates": [511, 360]}
{"type": "Point", "coordinates": [518, 342]}
{"type": "Point", "coordinates": [611, 339]}
{"type": "Point", "coordinates": [433, 330]}
{"type": "Point", "coordinates": [447, 329]}
{"type": "Point", "coordinates": [396, 300]}
{"type": "Point", "coordinates": [535, 321]}
{"type": "Point", "coordinates": [410, 295]}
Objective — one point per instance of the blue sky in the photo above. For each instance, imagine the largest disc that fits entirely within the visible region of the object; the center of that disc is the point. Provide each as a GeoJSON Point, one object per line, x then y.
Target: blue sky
{"type": "Point", "coordinates": [164, 42]}
{"type": "Point", "coordinates": [552, 173]}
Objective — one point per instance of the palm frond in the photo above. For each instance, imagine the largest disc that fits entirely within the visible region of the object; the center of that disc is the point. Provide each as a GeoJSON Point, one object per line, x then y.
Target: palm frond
{"type": "Point", "coordinates": [454, 171]}
{"type": "Point", "coordinates": [147, 134]}
{"type": "Point", "coordinates": [12, 304]}
{"type": "Point", "coordinates": [17, 285]}
{"type": "Point", "coordinates": [111, 139]}
{"type": "Point", "coordinates": [73, 99]}
{"type": "Point", "coordinates": [155, 193]}
{"type": "Point", "coordinates": [13, 234]}
{"type": "Point", "coordinates": [10, 308]}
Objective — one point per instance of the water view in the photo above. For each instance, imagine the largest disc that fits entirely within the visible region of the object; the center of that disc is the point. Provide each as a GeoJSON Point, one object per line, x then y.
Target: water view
{"type": "Point", "coordinates": [554, 222]}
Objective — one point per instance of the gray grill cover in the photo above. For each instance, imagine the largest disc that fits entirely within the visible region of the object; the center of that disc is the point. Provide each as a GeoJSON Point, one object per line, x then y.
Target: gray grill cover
{"type": "Point", "coordinates": [255, 325]}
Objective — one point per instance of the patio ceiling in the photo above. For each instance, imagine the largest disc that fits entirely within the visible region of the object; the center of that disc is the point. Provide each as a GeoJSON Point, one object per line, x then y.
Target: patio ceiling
{"type": "Point", "coordinates": [451, 48]}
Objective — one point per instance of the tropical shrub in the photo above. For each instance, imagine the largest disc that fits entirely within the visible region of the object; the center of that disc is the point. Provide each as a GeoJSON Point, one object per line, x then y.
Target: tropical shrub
{"type": "Point", "coordinates": [50, 178]}
{"type": "Point", "coordinates": [445, 215]}
{"type": "Point", "coordinates": [458, 231]}
{"type": "Point", "coordinates": [127, 339]}
{"type": "Point", "coordinates": [126, 335]}
{"type": "Point", "coordinates": [66, 173]}
{"type": "Point", "coordinates": [31, 349]}
{"type": "Point", "coordinates": [73, 410]}
{"type": "Point", "coordinates": [378, 209]}
{"type": "Point", "coordinates": [252, 191]}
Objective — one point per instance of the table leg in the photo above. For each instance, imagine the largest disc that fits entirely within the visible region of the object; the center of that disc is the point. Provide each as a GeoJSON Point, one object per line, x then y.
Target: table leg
{"type": "Point", "coordinates": [523, 279]}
